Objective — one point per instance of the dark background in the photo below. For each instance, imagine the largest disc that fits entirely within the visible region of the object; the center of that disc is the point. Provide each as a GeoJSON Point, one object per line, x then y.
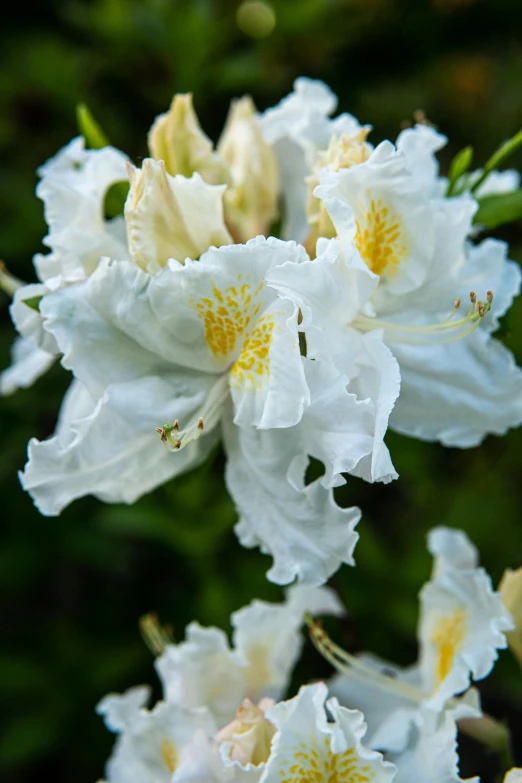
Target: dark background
{"type": "Point", "coordinates": [74, 587]}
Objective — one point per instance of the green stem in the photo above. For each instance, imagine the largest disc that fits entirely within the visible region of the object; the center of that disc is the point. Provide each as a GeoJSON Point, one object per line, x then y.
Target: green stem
{"type": "Point", "coordinates": [498, 157]}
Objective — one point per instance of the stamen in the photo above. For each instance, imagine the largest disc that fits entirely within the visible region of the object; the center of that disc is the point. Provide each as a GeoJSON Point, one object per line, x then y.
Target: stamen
{"type": "Point", "coordinates": [447, 331]}
{"type": "Point", "coordinates": [155, 635]}
{"type": "Point", "coordinates": [175, 438]}
{"type": "Point", "coordinates": [353, 667]}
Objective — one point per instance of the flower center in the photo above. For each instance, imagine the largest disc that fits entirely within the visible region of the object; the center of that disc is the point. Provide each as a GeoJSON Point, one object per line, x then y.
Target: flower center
{"type": "Point", "coordinates": [448, 331]}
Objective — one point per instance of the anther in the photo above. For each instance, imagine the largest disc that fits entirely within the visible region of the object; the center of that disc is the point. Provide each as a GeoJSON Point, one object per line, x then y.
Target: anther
{"type": "Point", "coordinates": [162, 433]}
{"type": "Point", "coordinates": [175, 426]}
{"type": "Point", "coordinates": [200, 424]}
{"type": "Point", "coordinates": [473, 297]}
{"type": "Point", "coordinates": [489, 296]}
{"type": "Point", "coordinates": [457, 303]}
{"type": "Point", "coordinates": [177, 444]}
{"type": "Point", "coordinates": [480, 308]}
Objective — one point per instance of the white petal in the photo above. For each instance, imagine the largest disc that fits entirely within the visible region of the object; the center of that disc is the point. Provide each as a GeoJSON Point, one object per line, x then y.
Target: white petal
{"type": "Point", "coordinates": [109, 448]}
{"type": "Point", "coordinates": [461, 627]}
{"type": "Point", "coordinates": [310, 97]}
{"type": "Point", "coordinates": [153, 745]}
{"type": "Point", "coordinates": [267, 380]}
{"type": "Point", "coordinates": [28, 364]}
{"type": "Point", "coordinates": [73, 188]}
{"type": "Point", "coordinates": [29, 321]}
{"type": "Point", "coordinates": [451, 548]}
{"type": "Point", "coordinates": [303, 529]}
{"type": "Point", "coordinates": [457, 392]}
{"type": "Point", "coordinates": [269, 637]}
{"type": "Point", "coordinates": [419, 145]}
{"type": "Point", "coordinates": [203, 671]}
{"type": "Point", "coordinates": [121, 710]}
{"type": "Point", "coordinates": [307, 746]}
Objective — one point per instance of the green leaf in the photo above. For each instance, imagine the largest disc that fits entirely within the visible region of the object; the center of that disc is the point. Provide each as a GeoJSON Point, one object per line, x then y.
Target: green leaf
{"type": "Point", "coordinates": [89, 128]}
{"type": "Point", "coordinates": [496, 210]}
{"type": "Point", "coordinates": [498, 157]}
{"type": "Point", "coordinates": [115, 198]}
{"type": "Point", "coordinates": [458, 167]}
{"type": "Point", "coordinates": [33, 302]}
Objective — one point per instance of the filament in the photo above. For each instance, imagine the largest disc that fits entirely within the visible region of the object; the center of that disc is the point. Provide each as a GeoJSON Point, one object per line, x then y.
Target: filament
{"type": "Point", "coordinates": [447, 331]}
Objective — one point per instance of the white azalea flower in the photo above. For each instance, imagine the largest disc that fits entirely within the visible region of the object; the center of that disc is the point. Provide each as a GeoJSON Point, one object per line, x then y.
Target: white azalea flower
{"type": "Point", "coordinates": [514, 775]}
{"type": "Point", "coordinates": [205, 671]}
{"type": "Point", "coordinates": [212, 722]}
{"type": "Point", "coordinates": [400, 263]}
{"type": "Point", "coordinates": [151, 742]}
{"type": "Point", "coordinates": [201, 343]}
{"type": "Point", "coordinates": [461, 627]}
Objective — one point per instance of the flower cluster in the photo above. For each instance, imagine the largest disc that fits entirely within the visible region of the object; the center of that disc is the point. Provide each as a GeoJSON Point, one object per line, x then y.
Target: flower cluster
{"type": "Point", "coordinates": [222, 719]}
{"type": "Point", "coordinates": [183, 320]}
{"type": "Point", "coordinates": [293, 292]}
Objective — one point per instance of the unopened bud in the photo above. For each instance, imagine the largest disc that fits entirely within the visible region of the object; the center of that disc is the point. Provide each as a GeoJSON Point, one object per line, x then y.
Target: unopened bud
{"type": "Point", "coordinates": [171, 217]}
{"type": "Point", "coordinates": [251, 201]}
{"type": "Point", "coordinates": [177, 139]}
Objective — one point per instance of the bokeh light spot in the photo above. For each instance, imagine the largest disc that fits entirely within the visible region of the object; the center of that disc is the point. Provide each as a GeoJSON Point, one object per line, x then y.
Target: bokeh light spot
{"type": "Point", "coordinates": [256, 19]}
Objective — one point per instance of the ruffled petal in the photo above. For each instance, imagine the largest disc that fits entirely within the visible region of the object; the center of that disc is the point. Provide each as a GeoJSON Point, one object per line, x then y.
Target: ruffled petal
{"type": "Point", "coordinates": [457, 392]}
{"type": "Point", "coordinates": [303, 529]}
{"type": "Point", "coordinates": [28, 364]}
{"type": "Point", "coordinates": [108, 447]}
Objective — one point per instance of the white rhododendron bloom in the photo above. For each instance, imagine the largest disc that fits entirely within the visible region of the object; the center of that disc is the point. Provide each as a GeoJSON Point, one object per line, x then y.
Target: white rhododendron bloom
{"type": "Point", "coordinates": [462, 625]}
{"type": "Point", "coordinates": [214, 719]}
{"type": "Point", "coordinates": [201, 344]}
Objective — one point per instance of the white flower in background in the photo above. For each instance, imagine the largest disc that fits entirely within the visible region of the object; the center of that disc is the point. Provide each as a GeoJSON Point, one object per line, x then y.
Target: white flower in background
{"type": "Point", "coordinates": [205, 671]}
{"type": "Point", "coordinates": [514, 775]}
{"type": "Point", "coordinates": [73, 187]}
{"type": "Point", "coordinates": [211, 723]}
{"type": "Point", "coordinates": [462, 625]}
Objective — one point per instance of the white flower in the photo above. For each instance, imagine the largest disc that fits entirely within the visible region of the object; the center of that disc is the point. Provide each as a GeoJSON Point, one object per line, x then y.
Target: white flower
{"type": "Point", "coordinates": [461, 627]}
{"type": "Point", "coordinates": [205, 671]}
{"type": "Point", "coordinates": [202, 343]}
{"type": "Point", "coordinates": [151, 742]}
{"type": "Point", "coordinates": [212, 722]}
{"type": "Point", "coordinates": [400, 263]}
{"type": "Point", "coordinates": [514, 775]}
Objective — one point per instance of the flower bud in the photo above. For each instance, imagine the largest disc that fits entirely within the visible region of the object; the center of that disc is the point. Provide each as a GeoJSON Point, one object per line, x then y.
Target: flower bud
{"type": "Point", "coordinates": [510, 588]}
{"type": "Point", "coordinates": [251, 201]}
{"type": "Point", "coordinates": [177, 139]}
{"type": "Point", "coordinates": [171, 217]}
{"type": "Point", "coordinates": [249, 735]}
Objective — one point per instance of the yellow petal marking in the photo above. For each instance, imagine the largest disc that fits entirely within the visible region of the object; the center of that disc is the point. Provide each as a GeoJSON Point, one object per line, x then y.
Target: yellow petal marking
{"type": "Point", "coordinates": [310, 765]}
{"type": "Point", "coordinates": [227, 316]}
{"type": "Point", "coordinates": [169, 755]}
{"type": "Point", "coordinates": [448, 636]}
{"type": "Point", "coordinates": [254, 358]}
{"type": "Point", "coordinates": [381, 238]}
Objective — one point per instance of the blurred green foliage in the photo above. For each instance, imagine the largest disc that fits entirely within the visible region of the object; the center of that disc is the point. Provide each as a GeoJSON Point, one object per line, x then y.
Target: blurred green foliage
{"type": "Point", "coordinates": [74, 587]}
